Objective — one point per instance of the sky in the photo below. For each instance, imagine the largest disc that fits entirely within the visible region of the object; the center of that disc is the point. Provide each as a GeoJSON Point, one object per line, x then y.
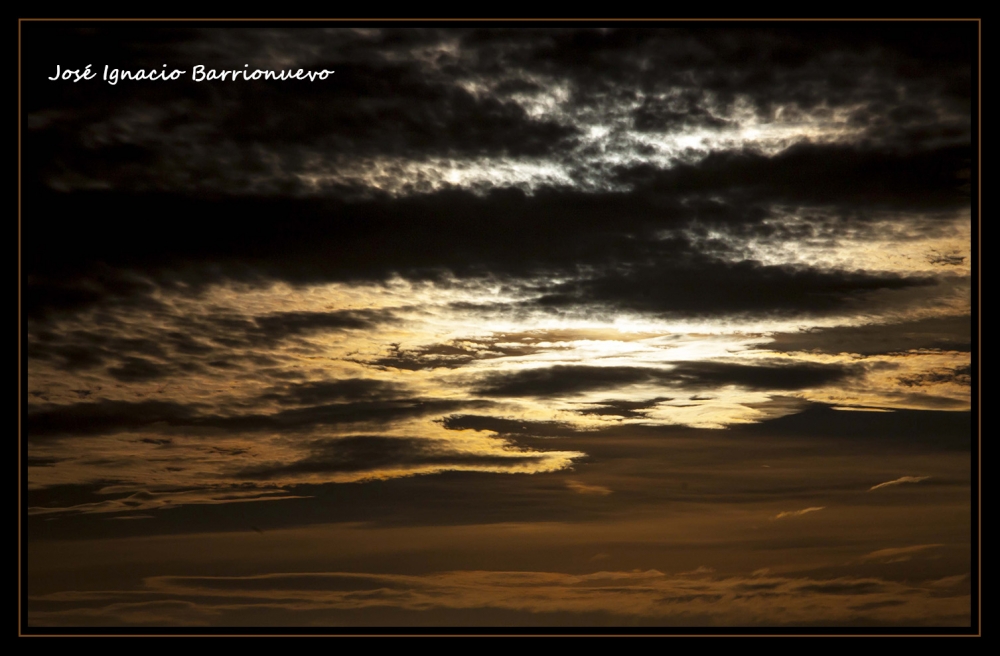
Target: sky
{"type": "Point", "coordinates": [639, 326]}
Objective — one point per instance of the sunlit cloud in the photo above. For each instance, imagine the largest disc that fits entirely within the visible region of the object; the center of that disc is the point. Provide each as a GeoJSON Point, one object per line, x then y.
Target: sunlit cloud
{"type": "Point", "coordinates": [145, 500]}
{"type": "Point", "coordinates": [583, 488]}
{"type": "Point", "coordinates": [797, 513]}
{"type": "Point", "coordinates": [895, 552]}
{"type": "Point", "coordinates": [898, 481]}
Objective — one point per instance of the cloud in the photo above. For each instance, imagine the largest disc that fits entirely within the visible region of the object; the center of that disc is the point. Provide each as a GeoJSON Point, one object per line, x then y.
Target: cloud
{"type": "Point", "coordinates": [562, 379]}
{"type": "Point", "coordinates": [175, 342]}
{"type": "Point", "coordinates": [822, 175]}
{"type": "Point", "coordinates": [463, 121]}
{"type": "Point", "coordinates": [957, 375]}
{"type": "Point", "coordinates": [604, 598]}
{"type": "Point", "coordinates": [584, 488]}
{"type": "Point", "coordinates": [107, 417]}
{"type": "Point", "coordinates": [505, 426]}
{"type": "Point", "coordinates": [459, 94]}
{"type": "Point", "coordinates": [104, 416]}
{"type": "Point", "coordinates": [677, 287]}
{"type": "Point", "coordinates": [949, 333]}
{"type": "Point", "coordinates": [947, 259]}
{"type": "Point", "coordinates": [271, 328]}
{"type": "Point", "coordinates": [343, 390]}
{"type": "Point", "coordinates": [458, 353]}
{"type": "Point", "coordinates": [573, 379]}
{"type": "Point", "coordinates": [139, 369]}
{"type": "Point", "coordinates": [797, 513]}
{"type": "Point", "coordinates": [899, 551]}
{"type": "Point", "coordinates": [373, 107]}
{"type": "Point", "coordinates": [903, 479]}
{"type": "Point", "coordinates": [623, 409]}
{"type": "Point", "coordinates": [949, 581]}
{"type": "Point", "coordinates": [555, 233]}
{"type": "Point", "coordinates": [77, 349]}
{"type": "Point", "coordinates": [375, 456]}
{"type": "Point", "coordinates": [925, 429]}
{"type": "Point", "coordinates": [146, 500]}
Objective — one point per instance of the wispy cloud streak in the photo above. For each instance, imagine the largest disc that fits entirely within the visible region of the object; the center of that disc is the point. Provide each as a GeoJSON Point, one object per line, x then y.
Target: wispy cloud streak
{"type": "Point", "coordinates": [797, 513]}
{"type": "Point", "coordinates": [899, 481]}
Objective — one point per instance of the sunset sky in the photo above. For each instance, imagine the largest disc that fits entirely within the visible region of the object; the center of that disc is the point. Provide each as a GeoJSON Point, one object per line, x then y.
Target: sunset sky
{"type": "Point", "coordinates": [637, 325]}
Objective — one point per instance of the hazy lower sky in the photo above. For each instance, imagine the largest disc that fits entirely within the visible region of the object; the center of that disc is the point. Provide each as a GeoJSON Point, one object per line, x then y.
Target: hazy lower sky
{"type": "Point", "coordinates": [644, 325]}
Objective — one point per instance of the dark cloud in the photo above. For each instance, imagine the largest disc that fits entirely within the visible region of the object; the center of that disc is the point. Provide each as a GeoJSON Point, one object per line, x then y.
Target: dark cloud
{"type": "Point", "coordinates": [157, 442]}
{"type": "Point", "coordinates": [141, 135]}
{"type": "Point", "coordinates": [687, 110]}
{"type": "Point", "coordinates": [139, 369]}
{"type": "Point", "coordinates": [698, 285]}
{"type": "Point", "coordinates": [915, 80]}
{"type": "Point", "coordinates": [34, 461]}
{"type": "Point", "coordinates": [799, 375]}
{"type": "Point", "coordinates": [219, 340]}
{"type": "Point", "coordinates": [268, 330]}
{"type": "Point", "coordinates": [165, 150]}
{"type": "Point", "coordinates": [843, 587]}
{"type": "Point", "coordinates": [69, 357]}
{"type": "Point", "coordinates": [185, 344]}
{"type": "Point", "coordinates": [503, 426]}
{"type": "Point", "coordinates": [946, 259]}
{"type": "Point", "coordinates": [666, 455]}
{"type": "Point", "coordinates": [574, 379]}
{"type": "Point", "coordinates": [307, 418]}
{"type": "Point", "coordinates": [426, 357]}
{"type": "Point", "coordinates": [108, 417]}
{"type": "Point", "coordinates": [458, 353]}
{"type": "Point", "coordinates": [423, 237]}
{"type": "Point", "coordinates": [103, 417]}
{"type": "Point", "coordinates": [83, 349]}
{"type": "Point", "coordinates": [934, 429]}
{"type": "Point", "coordinates": [324, 240]}
{"type": "Point", "coordinates": [888, 603]}
{"type": "Point", "coordinates": [807, 174]}
{"type": "Point", "coordinates": [350, 389]}
{"type": "Point", "coordinates": [563, 379]}
{"type": "Point", "coordinates": [361, 453]}
{"type": "Point", "coordinates": [960, 375]}
{"type": "Point", "coordinates": [944, 333]}
{"type": "Point", "coordinates": [54, 286]}
{"type": "Point", "coordinates": [389, 109]}
{"type": "Point", "coordinates": [623, 409]}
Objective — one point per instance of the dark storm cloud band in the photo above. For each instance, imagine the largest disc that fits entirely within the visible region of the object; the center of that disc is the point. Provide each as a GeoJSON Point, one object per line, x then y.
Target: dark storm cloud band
{"type": "Point", "coordinates": [427, 237]}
